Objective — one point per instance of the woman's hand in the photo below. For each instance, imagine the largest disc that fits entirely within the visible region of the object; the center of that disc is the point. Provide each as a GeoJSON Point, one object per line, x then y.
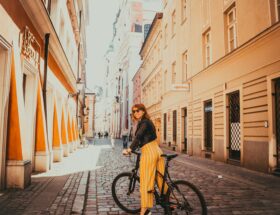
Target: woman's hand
{"type": "Point", "coordinates": [126, 151]}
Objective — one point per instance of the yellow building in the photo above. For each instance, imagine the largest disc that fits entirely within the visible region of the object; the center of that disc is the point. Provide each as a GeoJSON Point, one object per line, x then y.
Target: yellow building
{"type": "Point", "coordinates": [234, 63]}
{"type": "Point", "coordinates": [39, 57]}
{"type": "Point", "coordinates": [151, 70]}
{"type": "Point", "coordinates": [220, 80]}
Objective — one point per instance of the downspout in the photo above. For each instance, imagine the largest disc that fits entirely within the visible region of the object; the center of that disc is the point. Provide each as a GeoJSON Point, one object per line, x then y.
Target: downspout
{"type": "Point", "coordinates": [78, 80]}
{"type": "Point", "coordinates": [46, 53]}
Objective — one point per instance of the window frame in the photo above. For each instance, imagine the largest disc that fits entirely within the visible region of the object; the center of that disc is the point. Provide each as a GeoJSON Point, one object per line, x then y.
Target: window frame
{"type": "Point", "coordinates": [183, 11]}
{"type": "Point", "coordinates": [207, 47]}
{"type": "Point", "coordinates": [185, 66]}
{"type": "Point", "coordinates": [173, 73]}
{"type": "Point", "coordinates": [231, 25]}
{"type": "Point", "coordinates": [173, 20]}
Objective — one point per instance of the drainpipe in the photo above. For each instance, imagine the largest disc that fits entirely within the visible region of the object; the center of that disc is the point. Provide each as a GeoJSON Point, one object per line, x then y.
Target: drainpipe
{"type": "Point", "coordinates": [78, 81]}
{"type": "Point", "coordinates": [46, 53]}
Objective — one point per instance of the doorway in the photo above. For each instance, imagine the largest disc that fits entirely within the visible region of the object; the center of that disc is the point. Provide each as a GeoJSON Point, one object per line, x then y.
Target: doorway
{"type": "Point", "coordinates": [29, 89]}
{"type": "Point", "coordinates": [277, 117]}
{"type": "Point", "coordinates": [208, 134]}
{"type": "Point", "coordinates": [158, 126]}
{"type": "Point", "coordinates": [5, 50]}
{"type": "Point", "coordinates": [184, 130]}
{"type": "Point", "coordinates": [234, 126]}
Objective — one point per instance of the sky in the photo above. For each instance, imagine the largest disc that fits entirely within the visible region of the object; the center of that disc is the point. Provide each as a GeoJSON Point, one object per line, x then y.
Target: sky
{"type": "Point", "coordinates": [102, 14]}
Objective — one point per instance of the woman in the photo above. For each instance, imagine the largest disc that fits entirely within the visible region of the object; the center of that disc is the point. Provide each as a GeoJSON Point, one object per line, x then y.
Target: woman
{"type": "Point", "coordinates": [151, 160]}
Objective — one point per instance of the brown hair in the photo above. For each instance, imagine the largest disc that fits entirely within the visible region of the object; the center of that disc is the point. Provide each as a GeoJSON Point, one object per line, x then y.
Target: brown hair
{"type": "Point", "coordinates": [140, 107]}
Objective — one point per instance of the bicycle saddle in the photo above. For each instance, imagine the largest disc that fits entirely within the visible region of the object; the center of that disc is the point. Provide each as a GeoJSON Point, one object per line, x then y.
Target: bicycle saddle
{"type": "Point", "coordinates": [169, 156]}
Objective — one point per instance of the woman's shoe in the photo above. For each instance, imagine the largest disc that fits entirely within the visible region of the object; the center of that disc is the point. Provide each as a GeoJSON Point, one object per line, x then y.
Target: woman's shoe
{"type": "Point", "coordinates": [148, 212]}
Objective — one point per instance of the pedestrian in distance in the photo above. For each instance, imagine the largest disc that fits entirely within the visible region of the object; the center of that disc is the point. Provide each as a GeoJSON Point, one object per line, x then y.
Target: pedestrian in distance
{"type": "Point", "coordinates": [112, 141]}
{"type": "Point", "coordinates": [151, 160]}
{"type": "Point", "coordinates": [125, 139]}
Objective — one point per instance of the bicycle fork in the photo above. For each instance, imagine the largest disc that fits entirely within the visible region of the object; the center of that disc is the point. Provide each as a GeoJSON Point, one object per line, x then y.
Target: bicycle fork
{"type": "Point", "coordinates": [132, 183]}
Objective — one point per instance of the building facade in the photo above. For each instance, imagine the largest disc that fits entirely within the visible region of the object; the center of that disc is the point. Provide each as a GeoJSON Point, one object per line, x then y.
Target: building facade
{"type": "Point", "coordinates": [137, 87]}
{"type": "Point", "coordinates": [221, 69]}
{"type": "Point", "coordinates": [40, 66]}
{"type": "Point", "coordinates": [151, 72]}
{"type": "Point", "coordinates": [131, 25]}
{"type": "Point", "coordinates": [89, 111]}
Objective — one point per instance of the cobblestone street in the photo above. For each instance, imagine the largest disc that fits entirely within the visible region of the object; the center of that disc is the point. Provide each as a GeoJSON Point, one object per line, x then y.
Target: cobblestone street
{"type": "Point", "coordinates": [228, 189]}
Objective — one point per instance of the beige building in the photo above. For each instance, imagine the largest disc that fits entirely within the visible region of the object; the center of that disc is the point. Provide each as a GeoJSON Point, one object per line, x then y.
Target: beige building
{"type": "Point", "coordinates": [220, 72]}
{"type": "Point", "coordinates": [151, 69]}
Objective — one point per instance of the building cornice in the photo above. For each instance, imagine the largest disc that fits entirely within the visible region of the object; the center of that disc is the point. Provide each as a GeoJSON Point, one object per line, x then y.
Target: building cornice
{"type": "Point", "coordinates": [40, 18]}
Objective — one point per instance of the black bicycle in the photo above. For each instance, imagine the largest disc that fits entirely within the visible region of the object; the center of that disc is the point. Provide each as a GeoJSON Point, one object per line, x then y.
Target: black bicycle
{"type": "Point", "coordinates": [182, 197]}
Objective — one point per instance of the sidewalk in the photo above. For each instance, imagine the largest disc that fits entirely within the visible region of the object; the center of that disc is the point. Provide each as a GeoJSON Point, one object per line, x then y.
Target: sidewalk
{"type": "Point", "coordinates": [59, 191]}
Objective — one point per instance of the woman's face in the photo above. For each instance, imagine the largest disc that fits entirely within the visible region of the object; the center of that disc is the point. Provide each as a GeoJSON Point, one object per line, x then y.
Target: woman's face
{"type": "Point", "coordinates": [137, 113]}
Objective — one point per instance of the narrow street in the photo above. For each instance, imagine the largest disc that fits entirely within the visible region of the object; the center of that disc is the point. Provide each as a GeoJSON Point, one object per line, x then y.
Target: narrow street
{"type": "Point", "coordinates": [82, 185]}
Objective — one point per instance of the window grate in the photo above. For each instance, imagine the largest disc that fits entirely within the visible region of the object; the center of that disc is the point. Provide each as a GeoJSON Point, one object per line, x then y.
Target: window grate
{"type": "Point", "coordinates": [234, 126]}
{"type": "Point", "coordinates": [208, 136]}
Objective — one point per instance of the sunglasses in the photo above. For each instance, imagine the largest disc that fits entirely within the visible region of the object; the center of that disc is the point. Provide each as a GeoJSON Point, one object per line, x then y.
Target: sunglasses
{"type": "Point", "coordinates": [136, 111]}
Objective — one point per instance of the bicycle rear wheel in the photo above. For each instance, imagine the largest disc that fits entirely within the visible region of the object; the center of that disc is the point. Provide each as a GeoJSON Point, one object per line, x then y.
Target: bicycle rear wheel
{"type": "Point", "coordinates": [127, 201]}
{"type": "Point", "coordinates": [185, 198]}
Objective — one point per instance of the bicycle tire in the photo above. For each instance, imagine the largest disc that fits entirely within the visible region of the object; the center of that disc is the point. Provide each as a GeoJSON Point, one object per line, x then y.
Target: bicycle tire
{"type": "Point", "coordinates": [130, 206]}
{"type": "Point", "coordinates": [190, 191]}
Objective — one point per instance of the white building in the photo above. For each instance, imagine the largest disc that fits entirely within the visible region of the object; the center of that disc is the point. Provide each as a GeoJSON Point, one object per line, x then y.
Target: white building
{"type": "Point", "coordinates": [123, 60]}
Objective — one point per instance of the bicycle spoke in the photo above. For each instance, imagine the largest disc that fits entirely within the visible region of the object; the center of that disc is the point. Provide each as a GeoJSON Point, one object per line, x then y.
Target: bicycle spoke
{"type": "Point", "coordinates": [128, 201]}
{"type": "Point", "coordinates": [186, 199]}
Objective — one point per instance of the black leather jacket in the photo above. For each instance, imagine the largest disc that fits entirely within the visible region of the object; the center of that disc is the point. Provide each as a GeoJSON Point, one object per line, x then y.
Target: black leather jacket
{"type": "Point", "coordinates": [145, 133]}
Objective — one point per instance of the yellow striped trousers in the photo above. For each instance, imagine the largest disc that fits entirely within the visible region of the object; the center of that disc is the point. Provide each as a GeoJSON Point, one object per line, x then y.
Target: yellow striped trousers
{"type": "Point", "coordinates": [150, 161]}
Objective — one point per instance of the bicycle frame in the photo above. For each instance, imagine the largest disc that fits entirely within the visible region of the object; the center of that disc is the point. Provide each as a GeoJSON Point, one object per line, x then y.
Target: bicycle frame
{"type": "Point", "coordinates": [166, 179]}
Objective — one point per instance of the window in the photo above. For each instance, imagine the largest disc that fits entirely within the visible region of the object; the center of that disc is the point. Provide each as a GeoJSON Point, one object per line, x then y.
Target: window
{"type": "Point", "coordinates": [146, 30]}
{"type": "Point", "coordinates": [165, 35]}
{"type": "Point", "coordinates": [174, 73]}
{"type": "Point", "coordinates": [185, 67]}
{"type": "Point", "coordinates": [184, 9]}
{"type": "Point", "coordinates": [164, 126]}
{"type": "Point", "coordinates": [165, 81]}
{"type": "Point", "coordinates": [207, 49]}
{"type": "Point", "coordinates": [174, 126]}
{"type": "Point", "coordinates": [231, 29]}
{"type": "Point", "coordinates": [173, 22]}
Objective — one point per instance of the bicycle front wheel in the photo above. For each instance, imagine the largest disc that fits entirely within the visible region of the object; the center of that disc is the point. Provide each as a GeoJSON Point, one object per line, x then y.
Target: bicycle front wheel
{"type": "Point", "coordinates": [185, 198]}
{"type": "Point", "coordinates": [126, 192]}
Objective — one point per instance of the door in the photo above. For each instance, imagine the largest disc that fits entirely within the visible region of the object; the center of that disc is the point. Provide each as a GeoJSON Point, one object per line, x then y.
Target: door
{"type": "Point", "coordinates": [184, 128]}
{"type": "Point", "coordinates": [174, 127]}
{"type": "Point", "coordinates": [234, 126]}
{"type": "Point", "coordinates": [277, 117]}
{"type": "Point", "coordinates": [158, 126]}
{"type": "Point", "coordinates": [208, 138]}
